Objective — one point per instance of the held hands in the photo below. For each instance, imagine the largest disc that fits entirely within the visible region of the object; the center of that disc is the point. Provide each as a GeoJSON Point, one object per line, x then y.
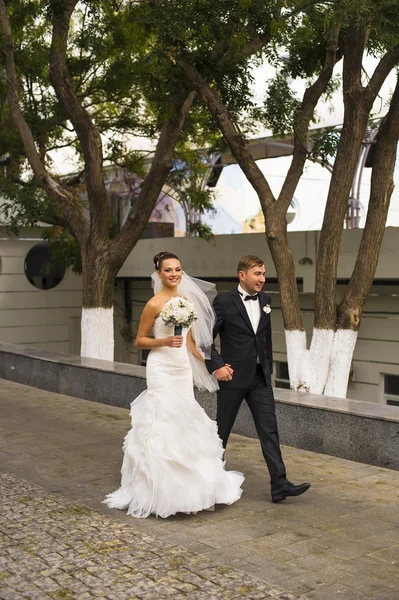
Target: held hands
{"type": "Point", "coordinates": [224, 373]}
{"type": "Point", "coordinates": [174, 341]}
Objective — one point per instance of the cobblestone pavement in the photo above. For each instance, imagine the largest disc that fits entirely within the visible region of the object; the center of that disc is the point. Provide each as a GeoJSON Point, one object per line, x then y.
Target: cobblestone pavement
{"type": "Point", "coordinates": [52, 548]}
{"type": "Point", "coordinates": [340, 540]}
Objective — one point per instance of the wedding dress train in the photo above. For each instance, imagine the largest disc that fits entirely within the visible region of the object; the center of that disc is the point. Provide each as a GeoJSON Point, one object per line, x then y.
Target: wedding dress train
{"type": "Point", "coordinates": [173, 456]}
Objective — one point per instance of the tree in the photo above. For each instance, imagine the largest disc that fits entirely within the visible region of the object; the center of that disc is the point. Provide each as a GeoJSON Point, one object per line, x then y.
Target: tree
{"type": "Point", "coordinates": [96, 96]}
{"type": "Point", "coordinates": [215, 49]}
{"type": "Point", "coordinates": [188, 181]}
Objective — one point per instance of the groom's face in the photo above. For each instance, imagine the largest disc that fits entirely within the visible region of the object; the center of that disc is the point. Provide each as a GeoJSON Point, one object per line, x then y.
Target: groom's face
{"type": "Point", "coordinates": [253, 280]}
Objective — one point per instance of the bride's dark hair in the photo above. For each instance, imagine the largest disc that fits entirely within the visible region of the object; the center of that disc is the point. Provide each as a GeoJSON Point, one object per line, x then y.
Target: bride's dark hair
{"type": "Point", "coordinates": [161, 256]}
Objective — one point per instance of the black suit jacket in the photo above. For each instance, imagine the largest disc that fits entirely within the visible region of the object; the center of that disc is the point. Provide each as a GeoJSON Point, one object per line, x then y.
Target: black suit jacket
{"type": "Point", "coordinates": [239, 344]}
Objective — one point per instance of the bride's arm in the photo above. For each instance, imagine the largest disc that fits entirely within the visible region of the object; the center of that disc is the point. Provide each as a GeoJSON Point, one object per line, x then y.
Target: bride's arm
{"type": "Point", "coordinates": [192, 347]}
{"type": "Point", "coordinates": [149, 314]}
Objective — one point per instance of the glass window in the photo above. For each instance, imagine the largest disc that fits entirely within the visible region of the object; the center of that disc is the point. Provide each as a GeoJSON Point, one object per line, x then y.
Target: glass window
{"type": "Point", "coordinates": [391, 389]}
{"type": "Point", "coordinates": [41, 270]}
{"type": "Point", "coordinates": [282, 379]}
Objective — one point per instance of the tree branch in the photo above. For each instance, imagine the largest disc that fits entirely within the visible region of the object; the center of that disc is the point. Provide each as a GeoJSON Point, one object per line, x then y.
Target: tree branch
{"type": "Point", "coordinates": [382, 70]}
{"type": "Point", "coordinates": [230, 131]}
{"type": "Point", "coordinates": [57, 222]}
{"type": "Point", "coordinates": [356, 116]}
{"type": "Point", "coordinates": [153, 183]}
{"type": "Point", "coordinates": [355, 44]}
{"type": "Point", "coordinates": [87, 133]}
{"type": "Point", "coordinates": [310, 99]}
{"type": "Point", "coordinates": [382, 185]}
{"type": "Point", "coordinates": [64, 200]}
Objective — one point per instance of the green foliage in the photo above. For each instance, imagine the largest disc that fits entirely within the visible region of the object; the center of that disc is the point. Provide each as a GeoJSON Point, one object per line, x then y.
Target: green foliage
{"type": "Point", "coordinates": [215, 35]}
{"type": "Point", "coordinates": [201, 230]}
{"type": "Point", "coordinates": [381, 19]}
{"type": "Point", "coordinates": [280, 106]}
{"type": "Point", "coordinates": [124, 83]}
{"type": "Point", "coordinates": [188, 177]}
{"type": "Point", "coordinates": [325, 142]}
{"type": "Point", "coordinates": [63, 248]}
{"type": "Point", "coordinates": [123, 57]}
{"type": "Point", "coordinates": [23, 204]}
{"type": "Point", "coordinates": [303, 48]}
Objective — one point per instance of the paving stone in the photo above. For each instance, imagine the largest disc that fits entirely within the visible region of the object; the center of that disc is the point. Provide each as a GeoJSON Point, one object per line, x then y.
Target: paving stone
{"type": "Point", "coordinates": [74, 573]}
{"type": "Point", "coordinates": [388, 554]}
{"type": "Point", "coordinates": [336, 592]}
{"type": "Point", "coordinates": [342, 535]}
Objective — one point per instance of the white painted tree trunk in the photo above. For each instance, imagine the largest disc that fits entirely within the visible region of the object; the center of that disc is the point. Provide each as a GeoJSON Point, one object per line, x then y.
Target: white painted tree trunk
{"type": "Point", "coordinates": [296, 358]}
{"type": "Point", "coordinates": [340, 363]}
{"type": "Point", "coordinates": [97, 328]}
{"type": "Point", "coordinates": [325, 367]}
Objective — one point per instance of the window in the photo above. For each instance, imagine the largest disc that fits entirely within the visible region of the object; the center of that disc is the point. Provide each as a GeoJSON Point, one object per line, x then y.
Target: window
{"type": "Point", "coordinates": [40, 268]}
{"type": "Point", "coordinates": [391, 389]}
{"type": "Point", "coordinates": [282, 379]}
{"type": "Point", "coordinates": [143, 357]}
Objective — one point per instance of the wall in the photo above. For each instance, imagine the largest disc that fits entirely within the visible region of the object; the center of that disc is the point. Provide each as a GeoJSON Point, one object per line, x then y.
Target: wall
{"type": "Point", "coordinates": [45, 319]}
{"type": "Point", "coordinates": [219, 259]}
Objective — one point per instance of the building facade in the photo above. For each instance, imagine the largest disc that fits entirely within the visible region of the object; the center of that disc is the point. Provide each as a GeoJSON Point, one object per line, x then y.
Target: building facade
{"type": "Point", "coordinates": [41, 308]}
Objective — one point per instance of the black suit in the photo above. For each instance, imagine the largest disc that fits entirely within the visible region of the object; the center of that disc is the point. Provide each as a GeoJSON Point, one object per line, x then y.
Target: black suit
{"type": "Point", "coordinates": [241, 347]}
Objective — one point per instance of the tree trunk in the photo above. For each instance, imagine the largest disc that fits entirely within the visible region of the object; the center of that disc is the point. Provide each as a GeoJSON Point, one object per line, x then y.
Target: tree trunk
{"type": "Point", "coordinates": [340, 361]}
{"type": "Point", "coordinates": [331, 353]}
{"type": "Point", "coordinates": [308, 369]}
{"type": "Point", "coordinates": [276, 236]}
{"type": "Point", "coordinates": [345, 165]}
{"type": "Point", "coordinates": [357, 103]}
{"type": "Point", "coordinates": [351, 306]}
{"type": "Point", "coordinates": [97, 325]}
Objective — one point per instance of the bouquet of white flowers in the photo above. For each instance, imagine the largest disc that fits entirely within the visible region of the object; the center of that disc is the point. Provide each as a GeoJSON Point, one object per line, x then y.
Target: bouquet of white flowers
{"type": "Point", "coordinates": [178, 312]}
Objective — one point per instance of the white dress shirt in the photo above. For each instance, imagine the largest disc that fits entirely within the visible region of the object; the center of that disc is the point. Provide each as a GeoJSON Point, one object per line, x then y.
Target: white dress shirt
{"type": "Point", "coordinates": [252, 307]}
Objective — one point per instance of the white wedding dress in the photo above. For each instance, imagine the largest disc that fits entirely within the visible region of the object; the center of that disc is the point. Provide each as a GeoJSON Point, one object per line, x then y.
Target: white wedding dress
{"type": "Point", "coordinates": [173, 456]}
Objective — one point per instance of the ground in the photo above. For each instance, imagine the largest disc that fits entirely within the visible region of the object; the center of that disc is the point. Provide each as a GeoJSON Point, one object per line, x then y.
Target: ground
{"type": "Point", "coordinates": [59, 456]}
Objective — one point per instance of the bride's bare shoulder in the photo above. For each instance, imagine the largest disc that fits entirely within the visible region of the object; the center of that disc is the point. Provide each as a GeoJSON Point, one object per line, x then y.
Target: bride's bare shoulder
{"type": "Point", "coordinates": [156, 303]}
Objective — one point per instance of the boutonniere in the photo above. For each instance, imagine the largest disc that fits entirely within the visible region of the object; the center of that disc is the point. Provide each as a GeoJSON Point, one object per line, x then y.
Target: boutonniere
{"type": "Point", "coordinates": [267, 309]}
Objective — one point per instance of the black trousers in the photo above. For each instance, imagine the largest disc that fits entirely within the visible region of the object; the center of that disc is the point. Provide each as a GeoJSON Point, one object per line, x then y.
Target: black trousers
{"type": "Point", "coordinates": [260, 399]}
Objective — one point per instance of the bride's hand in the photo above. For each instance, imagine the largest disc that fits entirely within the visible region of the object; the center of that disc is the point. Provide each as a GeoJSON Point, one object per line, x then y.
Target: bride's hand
{"type": "Point", "coordinates": [174, 341]}
{"type": "Point", "coordinates": [224, 373]}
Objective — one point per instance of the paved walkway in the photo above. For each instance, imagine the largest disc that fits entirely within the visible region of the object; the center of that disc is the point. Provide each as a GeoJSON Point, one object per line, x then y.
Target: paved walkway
{"type": "Point", "coordinates": [340, 540]}
{"type": "Point", "coordinates": [62, 550]}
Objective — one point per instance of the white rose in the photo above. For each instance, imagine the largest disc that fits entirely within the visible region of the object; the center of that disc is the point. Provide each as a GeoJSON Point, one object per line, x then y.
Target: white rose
{"type": "Point", "coordinates": [267, 309]}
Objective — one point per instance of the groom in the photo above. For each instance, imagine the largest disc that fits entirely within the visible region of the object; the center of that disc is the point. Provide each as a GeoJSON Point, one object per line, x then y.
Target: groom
{"type": "Point", "coordinates": [244, 368]}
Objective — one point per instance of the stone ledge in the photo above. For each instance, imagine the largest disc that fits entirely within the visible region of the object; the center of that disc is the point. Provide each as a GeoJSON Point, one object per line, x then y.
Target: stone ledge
{"type": "Point", "coordinates": [341, 405]}
{"type": "Point", "coordinates": [345, 428]}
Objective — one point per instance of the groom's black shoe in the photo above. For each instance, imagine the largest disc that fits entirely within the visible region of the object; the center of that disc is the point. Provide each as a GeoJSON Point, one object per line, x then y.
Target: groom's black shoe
{"type": "Point", "coordinates": [288, 489]}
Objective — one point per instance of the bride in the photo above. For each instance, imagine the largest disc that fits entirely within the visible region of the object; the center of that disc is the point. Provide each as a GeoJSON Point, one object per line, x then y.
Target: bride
{"type": "Point", "coordinates": [173, 457]}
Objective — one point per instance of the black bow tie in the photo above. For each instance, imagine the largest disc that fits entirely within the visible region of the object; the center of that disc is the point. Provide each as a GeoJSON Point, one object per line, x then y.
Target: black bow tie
{"type": "Point", "coordinates": [254, 297]}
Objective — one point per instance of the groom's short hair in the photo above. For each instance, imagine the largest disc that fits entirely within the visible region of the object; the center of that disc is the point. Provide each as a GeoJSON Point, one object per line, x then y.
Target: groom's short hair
{"type": "Point", "coordinates": [248, 262]}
